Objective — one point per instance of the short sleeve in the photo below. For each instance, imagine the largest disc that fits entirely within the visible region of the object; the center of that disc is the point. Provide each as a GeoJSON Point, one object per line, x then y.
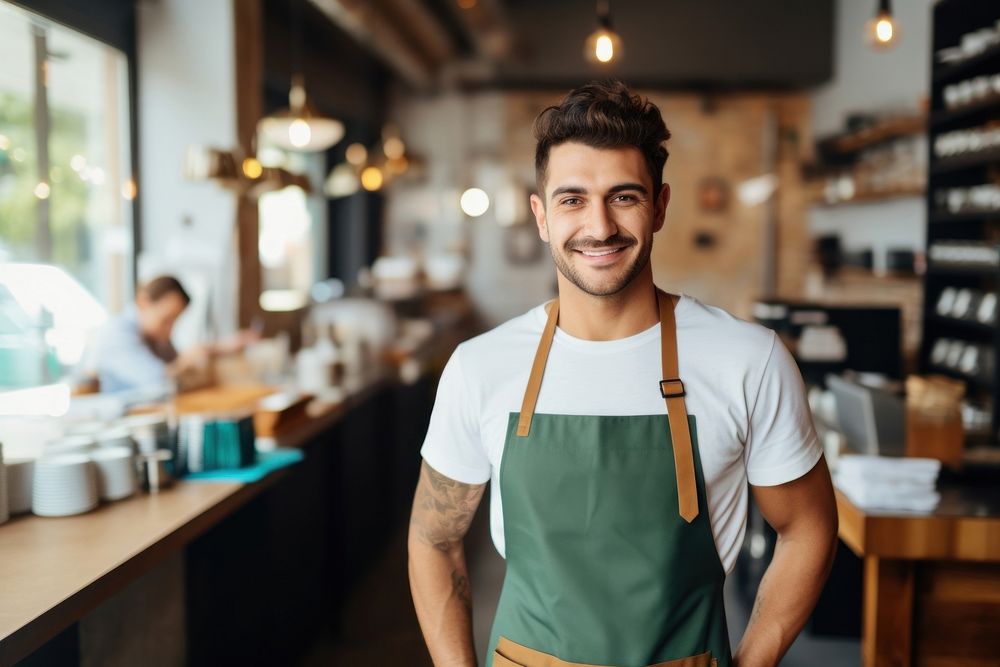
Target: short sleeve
{"type": "Point", "coordinates": [124, 362]}
{"type": "Point", "coordinates": [453, 446]}
{"type": "Point", "coordinates": [782, 444]}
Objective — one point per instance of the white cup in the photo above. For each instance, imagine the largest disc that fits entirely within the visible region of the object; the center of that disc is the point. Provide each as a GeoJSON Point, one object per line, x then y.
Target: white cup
{"type": "Point", "coordinates": [19, 483]}
{"type": "Point", "coordinates": [116, 474]}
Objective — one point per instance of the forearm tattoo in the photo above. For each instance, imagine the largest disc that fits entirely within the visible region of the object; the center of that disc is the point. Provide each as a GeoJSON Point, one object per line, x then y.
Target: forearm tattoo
{"type": "Point", "coordinates": [460, 586]}
{"type": "Point", "coordinates": [443, 509]}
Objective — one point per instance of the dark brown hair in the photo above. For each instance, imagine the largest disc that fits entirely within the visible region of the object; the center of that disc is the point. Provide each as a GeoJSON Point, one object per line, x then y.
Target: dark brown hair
{"type": "Point", "coordinates": [602, 114]}
{"type": "Point", "coordinates": [157, 288]}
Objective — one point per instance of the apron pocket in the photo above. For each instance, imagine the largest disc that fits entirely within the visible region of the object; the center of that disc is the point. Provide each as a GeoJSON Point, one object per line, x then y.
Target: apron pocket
{"type": "Point", "coordinates": [500, 660]}
{"type": "Point", "coordinates": [512, 654]}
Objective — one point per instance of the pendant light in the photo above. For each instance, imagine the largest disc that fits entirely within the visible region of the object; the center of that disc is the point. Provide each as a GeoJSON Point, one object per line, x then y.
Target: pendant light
{"type": "Point", "coordinates": [603, 45]}
{"type": "Point", "coordinates": [300, 127]}
{"type": "Point", "coordinates": [882, 28]}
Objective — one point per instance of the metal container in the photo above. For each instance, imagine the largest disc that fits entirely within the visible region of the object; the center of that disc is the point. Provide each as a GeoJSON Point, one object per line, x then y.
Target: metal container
{"type": "Point", "coordinates": [154, 473]}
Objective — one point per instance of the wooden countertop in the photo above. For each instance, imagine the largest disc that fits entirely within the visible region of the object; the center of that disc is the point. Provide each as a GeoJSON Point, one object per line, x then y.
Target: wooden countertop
{"type": "Point", "coordinates": [55, 570]}
{"type": "Point", "coordinates": [965, 527]}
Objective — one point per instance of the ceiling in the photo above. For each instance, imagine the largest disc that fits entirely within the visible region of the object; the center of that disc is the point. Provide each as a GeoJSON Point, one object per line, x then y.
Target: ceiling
{"type": "Point", "coordinates": [690, 44]}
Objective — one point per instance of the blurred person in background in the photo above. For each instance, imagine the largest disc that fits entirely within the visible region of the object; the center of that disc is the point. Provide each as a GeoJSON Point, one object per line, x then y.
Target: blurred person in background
{"type": "Point", "coordinates": [134, 351]}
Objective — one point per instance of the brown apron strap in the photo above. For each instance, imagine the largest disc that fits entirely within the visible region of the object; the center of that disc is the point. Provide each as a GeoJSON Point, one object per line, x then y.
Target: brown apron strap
{"type": "Point", "coordinates": [672, 390]}
{"type": "Point", "coordinates": [537, 371]}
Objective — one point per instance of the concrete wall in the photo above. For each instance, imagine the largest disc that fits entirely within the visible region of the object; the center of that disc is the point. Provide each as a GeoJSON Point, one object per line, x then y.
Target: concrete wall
{"type": "Point", "coordinates": [865, 80]}
{"type": "Point", "coordinates": [187, 96]}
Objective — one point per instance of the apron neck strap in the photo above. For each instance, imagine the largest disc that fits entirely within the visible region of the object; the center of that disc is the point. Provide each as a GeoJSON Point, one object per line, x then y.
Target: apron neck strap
{"type": "Point", "coordinates": [538, 370]}
{"type": "Point", "coordinates": [671, 388]}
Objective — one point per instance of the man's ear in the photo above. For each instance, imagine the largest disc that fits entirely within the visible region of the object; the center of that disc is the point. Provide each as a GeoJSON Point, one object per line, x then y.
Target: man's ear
{"type": "Point", "coordinates": [660, 210]}
{"type": "Point", "coordinates": [538, 208]}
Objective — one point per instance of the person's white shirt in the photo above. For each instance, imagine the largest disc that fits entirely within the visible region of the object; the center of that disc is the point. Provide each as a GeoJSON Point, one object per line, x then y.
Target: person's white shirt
{"type": "Point", "coordinates": [125, 362]}
{"type": "Point", "coordinates": [743, 388]}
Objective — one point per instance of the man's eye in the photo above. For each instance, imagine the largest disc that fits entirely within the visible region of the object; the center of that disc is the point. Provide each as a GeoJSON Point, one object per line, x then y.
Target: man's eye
{"type": "Point", "coordinates": [623, 198]}
{"type": "Point", "coordinates": [571, 201]}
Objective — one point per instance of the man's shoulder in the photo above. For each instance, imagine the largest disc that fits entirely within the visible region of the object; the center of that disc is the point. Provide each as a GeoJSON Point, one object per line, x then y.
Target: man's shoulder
{"type": "Point", "coordinates": [729, 335]}
{"type": "Point", "coordinates": [514, 332]}
{"type": "Point", "coordinates": [504, 342]}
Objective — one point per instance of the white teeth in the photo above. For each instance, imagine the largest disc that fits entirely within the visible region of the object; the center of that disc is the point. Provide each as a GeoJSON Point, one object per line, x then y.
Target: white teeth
{"type": "Point", "coordinates": [599, 254]}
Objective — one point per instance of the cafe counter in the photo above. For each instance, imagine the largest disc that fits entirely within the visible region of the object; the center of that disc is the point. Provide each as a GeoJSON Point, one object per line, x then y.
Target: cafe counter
{"type": "Point", "coordinates": [220, 572]}
{"type": "Point", "coordinates": [931, 591]}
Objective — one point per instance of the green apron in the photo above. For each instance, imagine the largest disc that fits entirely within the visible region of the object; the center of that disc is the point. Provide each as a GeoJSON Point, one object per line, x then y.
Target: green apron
{"type": "Point", "coordinates": [609, 561]}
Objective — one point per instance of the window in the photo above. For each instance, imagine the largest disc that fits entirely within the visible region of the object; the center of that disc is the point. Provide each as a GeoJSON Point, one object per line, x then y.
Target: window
{"type": "Point", "coordinates": [65, 177]}
{"type": "Point", "coordinates": [291, 240]}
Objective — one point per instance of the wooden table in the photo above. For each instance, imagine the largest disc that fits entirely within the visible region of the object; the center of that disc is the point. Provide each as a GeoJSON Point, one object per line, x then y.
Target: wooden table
{"type": "Point", "coordinates": [931, 582]}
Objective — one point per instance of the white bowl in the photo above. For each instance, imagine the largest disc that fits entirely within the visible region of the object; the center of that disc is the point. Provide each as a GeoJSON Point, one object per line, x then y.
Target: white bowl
{"type": "Point", "coordinates": [116, 473]}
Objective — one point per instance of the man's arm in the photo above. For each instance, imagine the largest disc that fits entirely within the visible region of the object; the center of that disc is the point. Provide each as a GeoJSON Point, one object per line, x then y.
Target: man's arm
{"type": "Point", "coordinates": [439, 578]}
{"type": "Point", "coordinates": [804, 514]}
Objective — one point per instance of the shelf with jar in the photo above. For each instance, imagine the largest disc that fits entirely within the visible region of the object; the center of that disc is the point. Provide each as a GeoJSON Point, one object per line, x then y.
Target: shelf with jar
{"type": "Point", "coordinates": [960, 332]}
{"type": "Point", "coordinates": [878, 158]}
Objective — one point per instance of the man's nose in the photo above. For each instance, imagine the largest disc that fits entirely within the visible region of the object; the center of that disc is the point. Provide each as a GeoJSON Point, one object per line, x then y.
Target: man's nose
{"type": "Point", "coordinates": [600, 224]}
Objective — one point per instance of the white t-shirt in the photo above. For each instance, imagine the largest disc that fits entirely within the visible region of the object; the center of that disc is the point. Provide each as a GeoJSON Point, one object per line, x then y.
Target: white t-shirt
{"type": "Point", "coordinates": [742, 386]}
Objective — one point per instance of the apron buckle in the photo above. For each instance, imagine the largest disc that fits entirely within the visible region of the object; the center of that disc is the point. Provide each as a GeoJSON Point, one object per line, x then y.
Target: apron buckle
{"type": "Point", "coordinates": [672, 388]}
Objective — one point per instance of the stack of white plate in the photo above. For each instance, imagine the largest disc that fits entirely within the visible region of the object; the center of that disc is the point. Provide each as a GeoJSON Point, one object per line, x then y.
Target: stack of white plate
{"type": "Point", "coordinates": [19, 483]}
{"type": "Point", "coordinates": [116, 473]}
{"type": "Point", "coordinates": [64, 485]}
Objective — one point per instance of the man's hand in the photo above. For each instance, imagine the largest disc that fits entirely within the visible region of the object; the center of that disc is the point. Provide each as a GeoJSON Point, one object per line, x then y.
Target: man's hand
{"type": "Point", "coordinates": [439, 578]}
{"type": "Point", "coordinates": [804, 514]}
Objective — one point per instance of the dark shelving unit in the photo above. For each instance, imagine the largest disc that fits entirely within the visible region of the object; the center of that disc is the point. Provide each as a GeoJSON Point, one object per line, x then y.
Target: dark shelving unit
{"type": "Point", "coordinates": [952, 20]}
{"type": "Point", "coordinates": [944, 217]}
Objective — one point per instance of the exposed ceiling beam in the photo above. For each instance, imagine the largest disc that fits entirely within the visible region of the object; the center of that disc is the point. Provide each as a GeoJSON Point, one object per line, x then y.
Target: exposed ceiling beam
{"type": "Point", "coordinates": [404, 34]}
{"type": "Point", "coordinates": [387, 40]}
{"type": "Point", "coordinates": [486, 22]}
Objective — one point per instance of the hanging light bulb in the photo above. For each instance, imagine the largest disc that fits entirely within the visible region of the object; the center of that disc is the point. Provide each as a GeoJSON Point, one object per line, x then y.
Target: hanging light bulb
{"type": "Point", "coordinates": [882, 28]}
{"type": "Point", "coordinates": [604, 44]}
{"type": "Point", "coordinates": [299, 127]}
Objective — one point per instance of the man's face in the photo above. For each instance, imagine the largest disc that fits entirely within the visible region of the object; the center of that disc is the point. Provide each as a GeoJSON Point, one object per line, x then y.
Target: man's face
{"type": "Point", "coordinates": [599, 215]}
{"type": "Point", "coordinates": [156, 318]}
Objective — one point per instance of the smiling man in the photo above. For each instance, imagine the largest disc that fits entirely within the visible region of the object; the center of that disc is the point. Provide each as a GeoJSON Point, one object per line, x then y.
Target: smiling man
{"type": "Point", "coordinates": [622, 428]}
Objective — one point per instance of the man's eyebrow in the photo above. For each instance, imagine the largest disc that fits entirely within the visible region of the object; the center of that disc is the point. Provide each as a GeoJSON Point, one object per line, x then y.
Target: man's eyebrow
{"type": "Point", "coordinates": [568, 189]}
{"type": "Point", "coordinates": [638, 187]}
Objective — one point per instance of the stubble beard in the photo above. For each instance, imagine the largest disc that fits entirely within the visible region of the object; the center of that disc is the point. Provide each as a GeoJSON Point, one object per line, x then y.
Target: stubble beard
{"type": "Point", "coordinates": [609, 288]}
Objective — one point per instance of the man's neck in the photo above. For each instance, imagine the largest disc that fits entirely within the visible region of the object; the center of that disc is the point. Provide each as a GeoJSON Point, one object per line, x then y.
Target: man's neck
{"type": "Point", "coordinates": [627, 313]}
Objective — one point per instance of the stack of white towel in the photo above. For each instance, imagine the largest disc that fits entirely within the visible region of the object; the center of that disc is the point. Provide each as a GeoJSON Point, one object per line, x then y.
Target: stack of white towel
{"type": "Point", "coordinates": [888, 483]}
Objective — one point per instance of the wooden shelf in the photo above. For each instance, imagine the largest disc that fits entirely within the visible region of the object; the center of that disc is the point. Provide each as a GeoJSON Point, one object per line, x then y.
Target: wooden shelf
{"type": "Point", "coordinates": [967, 325]}
{"type": "Point", "coordinates": [887, 130]}
{"type": "Point", "coordinates": [952, 269]}
{"type": "Point", "coordinates": [943, 217]}
{"type": "Point", "coordinates": [946, 116]}
{"type": "Point", "coordinates": [948, 73]}
{"type": "Point", "coordinates": [870, 197]}
{"type": "Point", "coordinates": [979, 159]}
